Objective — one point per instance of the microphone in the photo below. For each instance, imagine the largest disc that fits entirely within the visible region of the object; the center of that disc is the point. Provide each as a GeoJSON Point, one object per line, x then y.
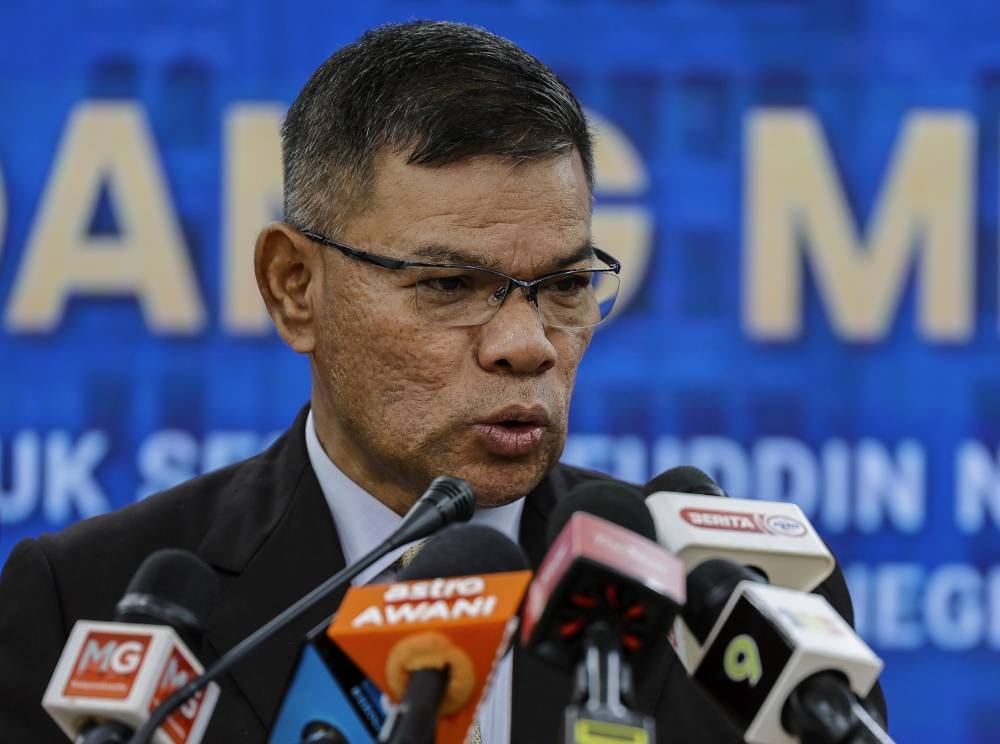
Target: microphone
{"type": "Point", "coordinates": [783, 664]}
{"type": "Point", "coordinates": [446, 500]}
{"type": "Point", "coordinates": [685, 479]}
{"type": "Point", "coordinates": [696, 521]}
{"type": "Point", "coordinates": [111, 675]}
{"type": "Point", "coordinates": [603, 597]}
{"type": "Point", "coordinates": [320, 732]}
{"type": "Point", "coordinates": [432, 639]}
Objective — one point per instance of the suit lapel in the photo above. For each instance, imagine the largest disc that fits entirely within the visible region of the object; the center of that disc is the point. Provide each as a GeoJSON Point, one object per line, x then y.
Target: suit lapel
{"type": "Point", "coordinates": [276, 540]}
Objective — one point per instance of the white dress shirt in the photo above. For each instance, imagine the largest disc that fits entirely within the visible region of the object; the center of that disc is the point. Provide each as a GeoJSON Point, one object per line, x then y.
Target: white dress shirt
{"type": "Point", "coordinates": [363, 521]}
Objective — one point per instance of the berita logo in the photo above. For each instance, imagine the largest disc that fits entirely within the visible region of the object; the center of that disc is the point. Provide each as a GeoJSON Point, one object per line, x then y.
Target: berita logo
{"type": "Point", "coordinates": [731, 521]}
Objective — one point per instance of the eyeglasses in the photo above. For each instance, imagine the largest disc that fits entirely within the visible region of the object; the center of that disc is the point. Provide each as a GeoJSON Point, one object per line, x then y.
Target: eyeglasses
{"type": "Point", "coordinates": [456, 295]}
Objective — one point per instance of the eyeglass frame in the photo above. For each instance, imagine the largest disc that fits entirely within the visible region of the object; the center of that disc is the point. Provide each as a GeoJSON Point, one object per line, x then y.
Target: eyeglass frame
{"type": "Point", "coordinates": [529, 287]}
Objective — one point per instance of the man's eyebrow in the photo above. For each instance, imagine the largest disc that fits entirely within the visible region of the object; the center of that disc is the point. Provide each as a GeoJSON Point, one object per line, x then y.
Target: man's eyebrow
{"type": "Point", "coordinates": [445, 254]}
{"type": "Point", "coordinates": [586, 250]}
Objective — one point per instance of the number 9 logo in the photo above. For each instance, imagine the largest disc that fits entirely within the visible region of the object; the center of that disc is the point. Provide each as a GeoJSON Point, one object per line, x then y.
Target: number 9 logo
{"type": "Point", "coordinates": [742, 660]}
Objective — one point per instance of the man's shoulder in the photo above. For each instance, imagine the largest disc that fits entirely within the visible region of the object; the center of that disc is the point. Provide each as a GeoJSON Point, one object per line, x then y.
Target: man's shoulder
{"type": "Point", "coordinates": [175, 516]}
{"type": "Point", "coordinates": [49, 582]}
{"type": "Point", "coordinates": [179, 516]}
{"type": "Point", "coordinates": [91, 561]}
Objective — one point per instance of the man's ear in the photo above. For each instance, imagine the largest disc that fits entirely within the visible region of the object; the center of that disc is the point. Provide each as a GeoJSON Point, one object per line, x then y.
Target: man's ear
{"type": "Point", "coordinates": [289, 270]}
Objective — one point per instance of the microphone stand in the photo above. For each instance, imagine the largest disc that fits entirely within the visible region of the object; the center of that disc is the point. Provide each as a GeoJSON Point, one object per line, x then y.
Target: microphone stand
{"type": "Point", "coordinates": [236, 654]}
{"type": "Point", "coordinates": [424, 692]}
{"type": "Point", "coordinates": [446, 501]}
{"type": "Point", "coordinates": [598, 711]}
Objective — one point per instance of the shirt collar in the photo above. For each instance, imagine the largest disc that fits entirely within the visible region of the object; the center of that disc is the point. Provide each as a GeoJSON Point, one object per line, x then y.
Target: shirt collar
{"type": "Point", "coordinates": [362, 521]}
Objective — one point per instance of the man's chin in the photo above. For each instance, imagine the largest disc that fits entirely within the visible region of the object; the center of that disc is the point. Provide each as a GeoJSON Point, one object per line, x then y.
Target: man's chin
{"type": "Point", "coordinates": [499, 480]}
{"type": "Point", "coordinates": [497, 486]}
{"type": "Point", "coordinates": [493, 500]}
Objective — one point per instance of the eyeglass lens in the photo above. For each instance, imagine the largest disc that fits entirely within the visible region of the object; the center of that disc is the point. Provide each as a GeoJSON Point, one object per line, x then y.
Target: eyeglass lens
{"type": "Point", "coordinates": [465, 297]}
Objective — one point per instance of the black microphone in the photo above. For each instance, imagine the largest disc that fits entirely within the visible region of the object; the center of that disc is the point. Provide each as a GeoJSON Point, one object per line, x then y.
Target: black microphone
{"type": "Point", "coordinates": [684, 479]}
{"type": "Point", "coordinates": [783, 664]}
{"type": "Point", "coordinates": [463, 550]}
{"type": "Point", "coordinates": [777, 546]}
{"type": "Point", "coordinates": [110, 674]}
{"type": "Point", "coordinates": [321, 732]}
{"type": "Point", "coordinates": [446, 500]}
{"type": "Point", "coordinates": [615, 502]}
{"type": "Point", "coordinates": [172, 587]}
{"type": "Point", "coordinates": [602, 599]}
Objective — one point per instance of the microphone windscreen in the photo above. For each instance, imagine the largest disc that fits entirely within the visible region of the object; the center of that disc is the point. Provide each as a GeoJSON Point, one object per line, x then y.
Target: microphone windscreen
{"type": "Point", "coordinates": [615, 502]}
{"type": "Point", "coordinates": [463, 550]}
{"type": "Point", "coordinates": [684, 479]}
{"type": "Point", "coordinates": [709, 586]}
{"type": "Point", "coordinates": [172, 587]}
{"type": "Point", "coordinates": [453, 497]}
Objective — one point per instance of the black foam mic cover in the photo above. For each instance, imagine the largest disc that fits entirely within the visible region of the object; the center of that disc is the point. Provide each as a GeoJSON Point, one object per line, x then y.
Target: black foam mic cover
{"type": "Point", "coordinates": [684, 479]}
{"type": "Point", "coordinates": [465, 549]}
{"type": "Point", "coordinates": [615, 502]}
{"type": "Point", "coordinates": [172, 587]}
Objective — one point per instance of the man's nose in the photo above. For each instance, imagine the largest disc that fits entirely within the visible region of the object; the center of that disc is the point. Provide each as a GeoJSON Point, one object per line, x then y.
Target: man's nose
{"type": "Point", "coordinates": [514, 340]}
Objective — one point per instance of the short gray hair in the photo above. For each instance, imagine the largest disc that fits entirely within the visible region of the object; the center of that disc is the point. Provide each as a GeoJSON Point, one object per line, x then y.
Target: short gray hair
{"type": "Point", "coordinates": [440, 92]}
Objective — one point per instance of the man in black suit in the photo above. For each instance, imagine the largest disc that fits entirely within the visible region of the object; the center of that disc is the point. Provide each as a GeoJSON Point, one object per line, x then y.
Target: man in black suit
{"type": "Point", "coordinates": [435, 266]}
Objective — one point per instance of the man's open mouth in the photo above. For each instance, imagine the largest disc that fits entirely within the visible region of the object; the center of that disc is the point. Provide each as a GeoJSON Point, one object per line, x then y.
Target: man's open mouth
{"type": "Point", "coordinates": [513, 431]}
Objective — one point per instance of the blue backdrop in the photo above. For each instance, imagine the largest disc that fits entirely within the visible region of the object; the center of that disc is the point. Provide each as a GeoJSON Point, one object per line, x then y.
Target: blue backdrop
{"type": "Point", "coordinates": [804, 194]}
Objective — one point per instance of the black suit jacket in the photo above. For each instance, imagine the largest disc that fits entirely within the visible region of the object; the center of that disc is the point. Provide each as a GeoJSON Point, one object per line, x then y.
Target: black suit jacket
{"type": "Point", "coordinates": [264, 527]}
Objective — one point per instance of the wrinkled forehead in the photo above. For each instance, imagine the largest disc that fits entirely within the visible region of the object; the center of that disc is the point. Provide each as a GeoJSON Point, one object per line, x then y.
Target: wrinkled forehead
{"type": "Point", "coordinates": [528, 215]}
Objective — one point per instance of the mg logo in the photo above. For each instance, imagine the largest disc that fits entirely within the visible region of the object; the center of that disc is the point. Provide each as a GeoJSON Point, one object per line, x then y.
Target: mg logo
{"type": "Point", "coordinates": [119, 658]}
{"type": "Point", "coordinates": [177, 673]}
{"type": "Point", "coordinates": [108, 665]}
{"type": "Point", "coordinates": [174, 675]}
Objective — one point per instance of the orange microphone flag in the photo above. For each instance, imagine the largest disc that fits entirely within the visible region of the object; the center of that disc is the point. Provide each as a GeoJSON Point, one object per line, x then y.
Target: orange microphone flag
{"type": "Point", "coordinates": [462, 622]}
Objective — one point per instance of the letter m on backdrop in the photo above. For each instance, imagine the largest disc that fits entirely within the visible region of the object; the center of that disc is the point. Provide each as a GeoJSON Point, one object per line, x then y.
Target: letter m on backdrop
{"type": "Point", "coordinates": [795, 210]}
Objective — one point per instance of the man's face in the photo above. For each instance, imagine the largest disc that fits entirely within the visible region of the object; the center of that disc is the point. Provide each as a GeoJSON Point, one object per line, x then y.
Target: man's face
{"type": "Point", "coordinates": [399, 400]}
